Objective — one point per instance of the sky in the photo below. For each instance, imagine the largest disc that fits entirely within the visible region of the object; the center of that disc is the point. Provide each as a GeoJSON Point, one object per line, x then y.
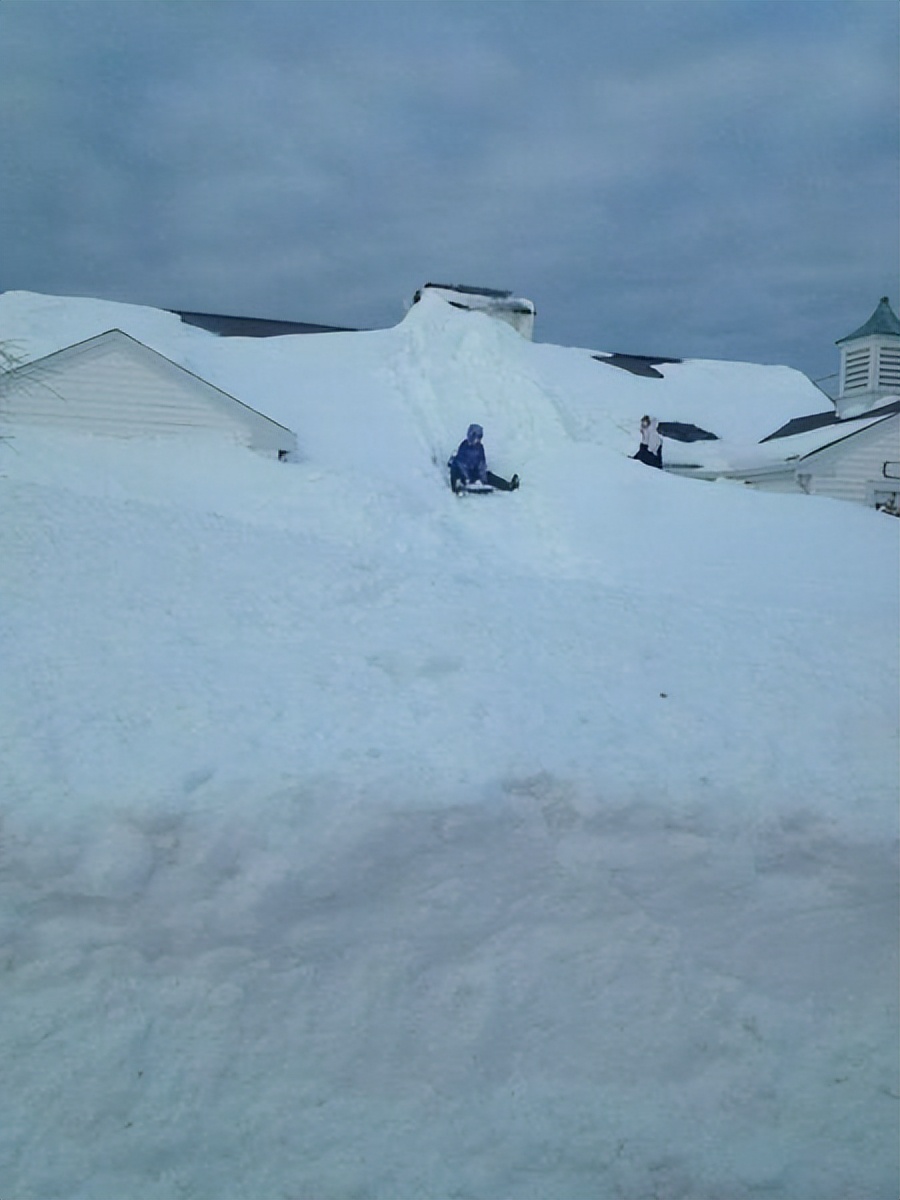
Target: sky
{"type": "Point", "coordinates": [715, 179]}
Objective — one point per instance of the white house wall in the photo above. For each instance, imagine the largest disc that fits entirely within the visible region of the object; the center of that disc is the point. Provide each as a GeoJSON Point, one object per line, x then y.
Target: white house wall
{"type": "Point", "coordinates": [108, 392]}
{"type": "Point", "coordinates": [115, 386]}
{"type": "Point", "coordinates": [855, 467]}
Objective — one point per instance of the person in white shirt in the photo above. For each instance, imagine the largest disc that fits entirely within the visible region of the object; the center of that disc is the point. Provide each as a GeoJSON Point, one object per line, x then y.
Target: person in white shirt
{"type": "Point", "coordinates": [650, 449]}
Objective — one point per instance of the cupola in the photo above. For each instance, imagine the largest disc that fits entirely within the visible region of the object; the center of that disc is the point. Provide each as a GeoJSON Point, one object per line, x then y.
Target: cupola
{"type": "Point", "coordinates": [870, 362]}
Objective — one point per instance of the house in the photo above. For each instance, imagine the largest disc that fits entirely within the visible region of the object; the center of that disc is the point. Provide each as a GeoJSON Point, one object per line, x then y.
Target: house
{"type": "Point", "coordinates": [112, 384]}
{"type": "Point", "coordinates": [862, 465]}
{"type": "Point", "coordinates": [851, 452]}
{"type": "Point", "coordinates": [504, 306]}
{"type": "Point", "coordinates": [856, 459]}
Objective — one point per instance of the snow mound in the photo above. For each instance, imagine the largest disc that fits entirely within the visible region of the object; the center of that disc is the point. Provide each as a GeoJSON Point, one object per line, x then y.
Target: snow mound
{"type": "Point", "coordinates": [359, 841]}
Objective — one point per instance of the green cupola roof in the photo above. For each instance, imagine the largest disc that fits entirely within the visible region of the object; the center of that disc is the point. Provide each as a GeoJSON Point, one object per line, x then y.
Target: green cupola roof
{"type": "Point", "coordinates": [883, 320]}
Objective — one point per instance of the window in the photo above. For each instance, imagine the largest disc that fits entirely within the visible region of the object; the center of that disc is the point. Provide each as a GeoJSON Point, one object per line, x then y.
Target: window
{"type": "Point", "coordinates": [889, 367]}
{"type": "Point", "coordinates": [856, 369]}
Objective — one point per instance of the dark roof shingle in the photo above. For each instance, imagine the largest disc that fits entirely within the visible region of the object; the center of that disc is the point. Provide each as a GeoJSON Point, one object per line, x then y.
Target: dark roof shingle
{"type": "Point", "coordinates": [820, 420]}
{"type": "Point", "coordinates": [254, 327]}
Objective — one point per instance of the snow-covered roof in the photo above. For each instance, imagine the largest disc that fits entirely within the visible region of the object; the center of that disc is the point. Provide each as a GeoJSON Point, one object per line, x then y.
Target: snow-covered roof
{"type": "Point", "coordinates": [644, 365]}
{"type": "Point", "coordinates": [772, 453]}
{"type": "Point", "coordinates": [825, 419]}
{"type": "Point", "coordinates": [503, 381]}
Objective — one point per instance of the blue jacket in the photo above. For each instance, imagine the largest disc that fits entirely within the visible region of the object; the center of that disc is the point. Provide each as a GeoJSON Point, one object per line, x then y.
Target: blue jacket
{"type": "Point", "coordinates": [471, 461]}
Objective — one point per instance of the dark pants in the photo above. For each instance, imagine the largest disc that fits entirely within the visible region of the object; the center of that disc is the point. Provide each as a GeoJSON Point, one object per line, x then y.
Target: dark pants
{"type": "Point", "coordinates": [502, 485]}
{"type": "Point", "coordinates": [457, 477]}
{"type": "Point", "coordinates": [644, 455]}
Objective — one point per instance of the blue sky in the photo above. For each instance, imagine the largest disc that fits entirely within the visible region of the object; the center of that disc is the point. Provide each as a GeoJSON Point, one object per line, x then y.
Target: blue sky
{"type": "Point", "coordinates": [716, 178]}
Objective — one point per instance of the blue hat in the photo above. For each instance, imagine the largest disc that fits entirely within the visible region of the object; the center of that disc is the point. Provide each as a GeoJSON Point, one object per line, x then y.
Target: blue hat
{"type": "Point", "coordinates": [474, 431]}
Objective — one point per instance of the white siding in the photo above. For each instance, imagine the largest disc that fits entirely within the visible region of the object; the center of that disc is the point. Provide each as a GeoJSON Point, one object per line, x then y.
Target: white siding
{"type": "Point", "coordinates": [855, 467]}
{"type": "Point", "coordinates": [116, 386]}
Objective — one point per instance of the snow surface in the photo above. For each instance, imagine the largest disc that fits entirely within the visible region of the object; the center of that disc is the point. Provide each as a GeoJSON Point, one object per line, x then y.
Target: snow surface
{"type": "Point", "coordinates": [363, 842]}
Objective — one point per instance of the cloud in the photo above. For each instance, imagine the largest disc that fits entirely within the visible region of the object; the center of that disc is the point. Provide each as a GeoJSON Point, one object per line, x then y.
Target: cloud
{"type": "Point", "coordinates": [712, 179]}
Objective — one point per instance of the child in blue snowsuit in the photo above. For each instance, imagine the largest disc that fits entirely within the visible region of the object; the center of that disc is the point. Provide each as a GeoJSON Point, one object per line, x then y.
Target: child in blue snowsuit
{"type": "Point", "coordinates": [468, 465]}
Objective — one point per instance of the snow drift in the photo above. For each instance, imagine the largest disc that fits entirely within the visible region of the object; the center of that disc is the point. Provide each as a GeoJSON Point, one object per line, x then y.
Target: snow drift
{"type": "Point", "coordinates": [363, 842]}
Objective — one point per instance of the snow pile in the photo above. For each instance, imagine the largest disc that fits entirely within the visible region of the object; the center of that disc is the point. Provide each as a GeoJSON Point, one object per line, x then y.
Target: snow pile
{"type": "Point", "coordinates": [359, 841]}
{"type": "Point", "coordinates": [516, 311]}
{"type": "Point", "coordinates": [480, 367]}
